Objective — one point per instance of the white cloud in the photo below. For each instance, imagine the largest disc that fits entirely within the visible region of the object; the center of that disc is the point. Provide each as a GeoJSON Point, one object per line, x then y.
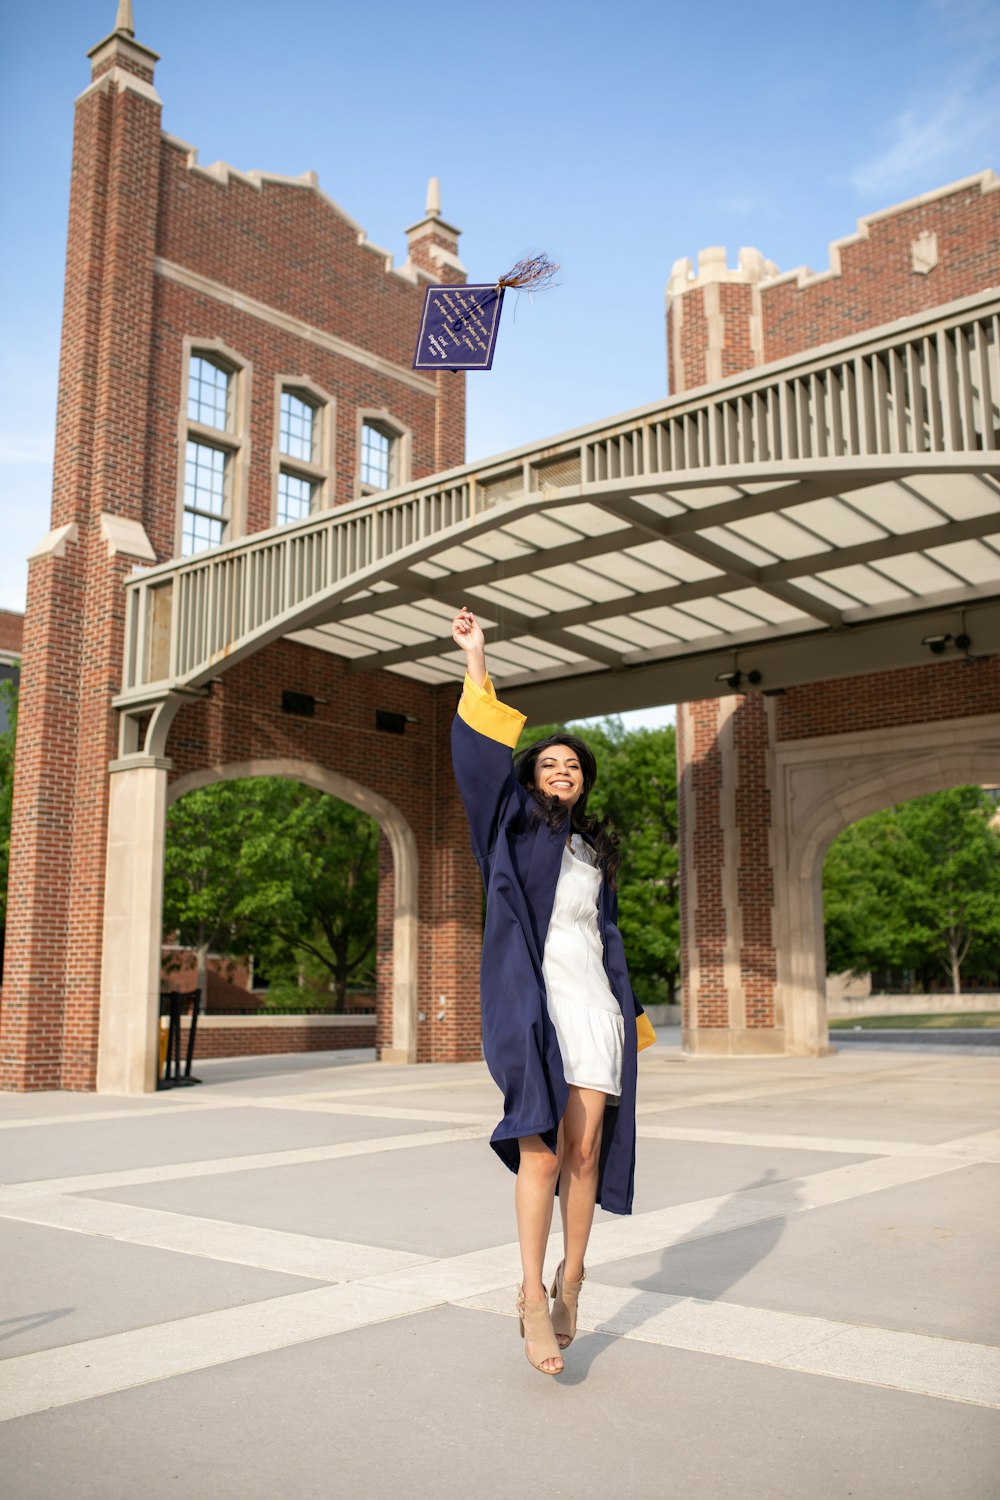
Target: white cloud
{"type": "Point", "coordinates": [955, 134]}
{"type": "Point", "coordinates": [951, 129]}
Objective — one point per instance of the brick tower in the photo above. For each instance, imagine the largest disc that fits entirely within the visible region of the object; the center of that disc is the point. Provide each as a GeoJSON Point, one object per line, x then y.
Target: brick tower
{"type": "Point", "coordinates": [73, 621]}
{"type": "Point", "coordinates": [207, 311]}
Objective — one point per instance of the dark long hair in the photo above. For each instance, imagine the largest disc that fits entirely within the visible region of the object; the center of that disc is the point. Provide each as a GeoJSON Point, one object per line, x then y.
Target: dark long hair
{"type": "Point", "coordinates": [552, 811]}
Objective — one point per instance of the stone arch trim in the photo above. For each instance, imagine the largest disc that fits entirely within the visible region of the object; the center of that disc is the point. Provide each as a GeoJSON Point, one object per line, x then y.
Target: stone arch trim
{"type": "Point", "coordinates": [826, 785]}
{"type": "Point", "coordinates": [820, 787]}
{"type": "Point", "coordinates": [406, 866]}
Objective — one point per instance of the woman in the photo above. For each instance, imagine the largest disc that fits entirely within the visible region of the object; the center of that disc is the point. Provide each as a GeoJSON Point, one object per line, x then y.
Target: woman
{"type": "Point", "coordinates": [561, 1027]}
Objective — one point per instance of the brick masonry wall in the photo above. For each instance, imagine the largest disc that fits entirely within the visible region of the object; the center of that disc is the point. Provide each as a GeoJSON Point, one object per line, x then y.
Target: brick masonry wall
{"type": "Point", "coordinates": [285, 244]}
{"type": "Point", "coordinates": [876, 281]}
{"type": "Point", "coordinates": [880, 700]}
{"type": "Point", "coordinates": [264, 1041]}
{"type": "Point", "coordinates": [719, 784]}
{"type": "Point", "coordinates": [289, 248]}
{"type": "Point", "coordinates": [708, 920]}
{"type": "Point", "coordinates": [873, 283]}
{"type": "Point", "coordinates": [243, 721]}
{"type": "Point", "coordinates": [135, 197]}
{"type": "Point", "coordinates": [66, 733]}
{"type": "Point", "coordinates": [755, 877]}
{"type": "Point", "coordinates": [11, 631]}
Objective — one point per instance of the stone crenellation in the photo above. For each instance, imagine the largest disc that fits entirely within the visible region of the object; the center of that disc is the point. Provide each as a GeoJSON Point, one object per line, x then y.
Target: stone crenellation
{"type": "Point", "coordinates": [900, 261]}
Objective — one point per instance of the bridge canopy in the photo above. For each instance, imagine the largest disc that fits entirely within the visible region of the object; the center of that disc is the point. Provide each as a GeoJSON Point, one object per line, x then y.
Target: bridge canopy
{"type": "Point", "coordinates": [814, 518]}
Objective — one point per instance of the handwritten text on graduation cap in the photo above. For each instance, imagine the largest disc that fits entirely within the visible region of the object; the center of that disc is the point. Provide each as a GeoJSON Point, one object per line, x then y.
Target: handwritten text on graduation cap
{"type": "Point", "coordinates": [458, 329]}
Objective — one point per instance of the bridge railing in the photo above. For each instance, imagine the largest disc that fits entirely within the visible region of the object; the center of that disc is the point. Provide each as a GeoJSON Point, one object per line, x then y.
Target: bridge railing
{"type": "Point", "coordinates": [926, 386]}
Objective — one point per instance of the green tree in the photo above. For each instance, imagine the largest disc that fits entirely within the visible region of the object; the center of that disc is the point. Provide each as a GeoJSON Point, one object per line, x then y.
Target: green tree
{"type": "Point", "coordinates": [271, 867]}
{"type": "Point", "coordinates": [208, 881]}
{"type": "Point", "coordinates": [328, 924]}
{"type": "Point", "coordinates": [637, 790]}
{"type": "Point", "coordinates": [641, 801]}
{"type": "Point", "coordinates": [8, 698]}
{"type": "Point", "coordinates": [917, 887]}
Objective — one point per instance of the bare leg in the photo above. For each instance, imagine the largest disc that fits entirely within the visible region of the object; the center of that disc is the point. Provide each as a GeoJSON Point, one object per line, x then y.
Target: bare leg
{"type": "Point", "coordinates": [534, 1195]}
{"type": "Point", "coordinates": [582, 1127]}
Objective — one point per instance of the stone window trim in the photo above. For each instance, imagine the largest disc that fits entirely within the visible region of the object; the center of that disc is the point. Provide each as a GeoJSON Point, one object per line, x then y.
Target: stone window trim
{"type": "Point", "coordinates": [321, 472]}
{"type": "Point", "coordinates": [401, 438]}
{"type": "Point", "coordinates": [234, 440]}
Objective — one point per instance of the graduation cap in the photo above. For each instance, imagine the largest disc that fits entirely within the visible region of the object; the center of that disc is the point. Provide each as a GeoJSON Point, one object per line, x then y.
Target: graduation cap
{"type": "Point", "coordinates": [458, 328]}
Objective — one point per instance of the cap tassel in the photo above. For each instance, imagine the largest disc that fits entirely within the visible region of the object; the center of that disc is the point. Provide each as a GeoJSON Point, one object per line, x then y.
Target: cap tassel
{"type": "Point", "coordinates": [533, 273]}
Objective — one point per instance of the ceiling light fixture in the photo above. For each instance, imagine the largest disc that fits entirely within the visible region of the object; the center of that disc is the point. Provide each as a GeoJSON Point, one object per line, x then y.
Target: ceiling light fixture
{"type": "Point", "coordinates": [736, 678]}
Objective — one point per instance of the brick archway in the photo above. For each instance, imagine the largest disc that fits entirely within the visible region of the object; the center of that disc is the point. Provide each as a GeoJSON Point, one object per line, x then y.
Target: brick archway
{"type": "Point", "coordinates": [822, 786]}
{"type": "Point", "coordinates": [405, 860]}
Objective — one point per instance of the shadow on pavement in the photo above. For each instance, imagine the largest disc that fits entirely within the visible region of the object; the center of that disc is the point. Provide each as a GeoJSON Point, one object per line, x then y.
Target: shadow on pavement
{"type": "Point", "coordinates": [26, 1322]}
{"type": "Point", "coordinates": [747, 1251]}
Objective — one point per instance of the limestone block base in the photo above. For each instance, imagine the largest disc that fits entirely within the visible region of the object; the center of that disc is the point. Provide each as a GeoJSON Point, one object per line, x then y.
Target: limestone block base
{"type": "Point", "coordinates": [722, 1041]}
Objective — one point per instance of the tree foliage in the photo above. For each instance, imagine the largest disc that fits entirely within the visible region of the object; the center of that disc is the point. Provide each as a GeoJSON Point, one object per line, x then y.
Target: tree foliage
{"type": "Point", "coordinates": [917, 887]}
{"type": "Point", "coordinates": [637, 790]}
{"type": "Point", "coordinates": [273, 868]}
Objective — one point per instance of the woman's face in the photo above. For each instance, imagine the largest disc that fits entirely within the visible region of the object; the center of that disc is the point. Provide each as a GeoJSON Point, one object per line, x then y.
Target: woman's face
{"type": "Point", "coordinates": [558, 773]}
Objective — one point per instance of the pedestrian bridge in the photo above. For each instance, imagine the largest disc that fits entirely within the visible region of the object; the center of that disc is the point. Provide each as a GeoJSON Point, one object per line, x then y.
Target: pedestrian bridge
{"type": "Point", "coordinates": [806, 520]}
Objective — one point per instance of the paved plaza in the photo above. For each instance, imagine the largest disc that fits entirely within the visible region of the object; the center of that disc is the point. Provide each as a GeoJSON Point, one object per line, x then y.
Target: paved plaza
{"type": "Point", "coordinates": [298, 1280]}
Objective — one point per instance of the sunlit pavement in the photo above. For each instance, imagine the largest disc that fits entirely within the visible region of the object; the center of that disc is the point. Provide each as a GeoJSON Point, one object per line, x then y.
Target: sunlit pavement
{"type": "Point", "coordinates": [298, 1280]}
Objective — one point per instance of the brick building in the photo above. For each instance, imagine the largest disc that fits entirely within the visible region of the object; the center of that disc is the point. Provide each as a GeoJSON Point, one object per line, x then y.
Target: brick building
{"type": "Point", "coordinates": [767, 783]}
{"type": "Point", "coordinates": [236, 353]}
{"type": "Point", "coordinates": [236, 395]}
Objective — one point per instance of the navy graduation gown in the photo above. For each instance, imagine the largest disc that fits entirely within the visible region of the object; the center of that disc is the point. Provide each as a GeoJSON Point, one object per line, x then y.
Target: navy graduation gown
{"type": "Point", "coordinates": [519, 857]}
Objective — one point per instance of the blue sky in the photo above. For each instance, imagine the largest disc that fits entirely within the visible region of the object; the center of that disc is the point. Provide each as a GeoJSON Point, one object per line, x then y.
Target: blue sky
{"type": "Point", "coordinates": [616, 138]}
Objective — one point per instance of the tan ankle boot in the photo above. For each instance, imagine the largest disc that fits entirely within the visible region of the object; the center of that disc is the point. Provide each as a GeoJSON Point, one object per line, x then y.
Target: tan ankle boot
{"type": "Point", "coordinates": [536, 1329]}
{"type": "Point", "coordinates": [565, 1296]}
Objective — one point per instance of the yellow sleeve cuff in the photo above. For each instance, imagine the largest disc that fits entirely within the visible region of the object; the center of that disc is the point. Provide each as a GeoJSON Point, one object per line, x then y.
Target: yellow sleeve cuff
{"type": "Point", "coordinates": [645, 1034]}
{"type": "Point", "coordinates": [482, 710]}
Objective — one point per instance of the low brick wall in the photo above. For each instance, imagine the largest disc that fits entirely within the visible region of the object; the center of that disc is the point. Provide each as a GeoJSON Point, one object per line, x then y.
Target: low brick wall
{"type": "Point", "coordinates": [245, 1036]}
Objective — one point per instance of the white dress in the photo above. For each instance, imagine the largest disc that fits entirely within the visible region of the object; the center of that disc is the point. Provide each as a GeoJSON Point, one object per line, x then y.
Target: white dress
{"type": "Point", "coordinates": [585, 1014]}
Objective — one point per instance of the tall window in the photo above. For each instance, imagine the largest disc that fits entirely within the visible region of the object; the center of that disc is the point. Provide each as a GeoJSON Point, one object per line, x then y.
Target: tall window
{"type": "Point", "coordinates": [379, 456]}
{"type": "Point", "coordinates": [299, 484]}
{"type": "Point", "coordinates": [204, 497]}
{"type": "Point", "coordinates": [210, 448]}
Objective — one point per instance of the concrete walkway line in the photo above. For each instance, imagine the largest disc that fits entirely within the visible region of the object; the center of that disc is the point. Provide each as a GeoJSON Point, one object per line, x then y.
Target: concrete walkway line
{"type": "Point", "coordinates": [219, 1166]}
{"type": "Point", "coordinates": [948, 1369]}
{"type": "Point", "coordinates": [213, 1239]}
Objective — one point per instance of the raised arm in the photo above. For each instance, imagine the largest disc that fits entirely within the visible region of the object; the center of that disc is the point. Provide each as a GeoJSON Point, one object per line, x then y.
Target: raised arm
{"type": "Point", "coordinates": [467, 633]}
{"type": "Point", "coordinates": [483, 735]}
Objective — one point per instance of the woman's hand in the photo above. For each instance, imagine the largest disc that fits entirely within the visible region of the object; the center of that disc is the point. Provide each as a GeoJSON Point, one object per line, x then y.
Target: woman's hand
{"type": "Point", "coordinates": [467, 634]}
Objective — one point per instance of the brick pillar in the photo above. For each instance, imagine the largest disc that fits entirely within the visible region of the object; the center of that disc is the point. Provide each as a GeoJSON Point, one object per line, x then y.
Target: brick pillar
{"type": "Point", "coordinates": [714, 324]}
{"type": "Point", "coordinates": [384, 949]}
{"type": "Point", "coordinates": [728, 964]}
{"type": "Point", "coordinates": [74, 624]}
{"type": "Point", "coordinates": [453, 1029]}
